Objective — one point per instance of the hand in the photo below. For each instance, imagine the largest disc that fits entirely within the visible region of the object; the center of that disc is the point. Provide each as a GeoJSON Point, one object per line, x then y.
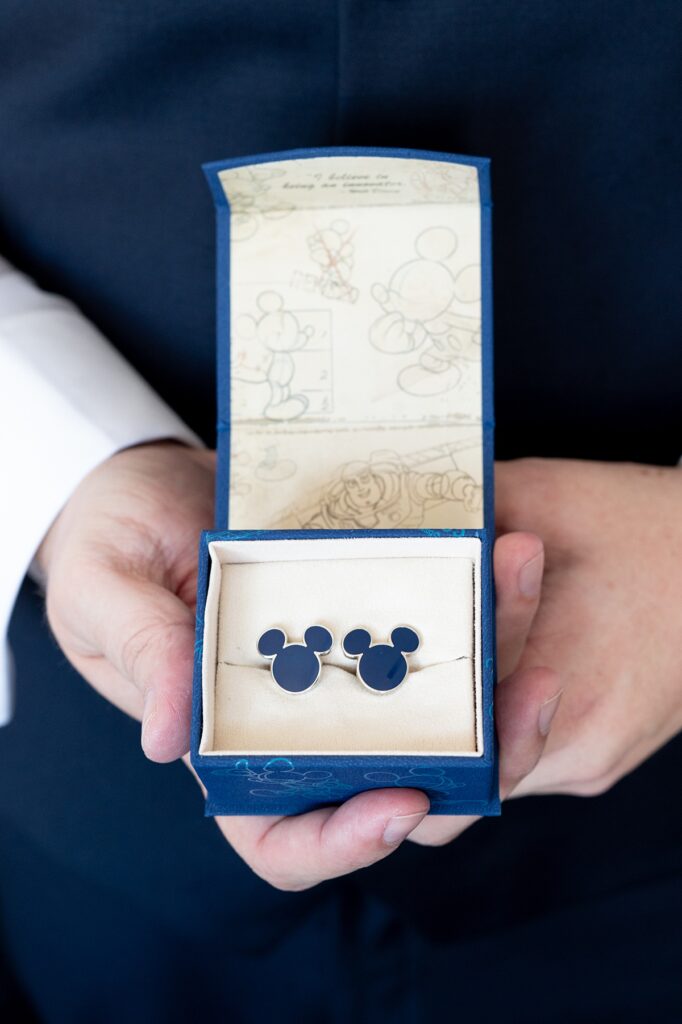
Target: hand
{"type": "Point", "coordinates": [610, 618]}
{"type": "Point", "coordinates": [120, 567]}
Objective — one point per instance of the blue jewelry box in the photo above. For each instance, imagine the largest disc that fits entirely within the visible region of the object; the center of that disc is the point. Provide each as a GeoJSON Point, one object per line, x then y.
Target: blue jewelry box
{"type": "Point", "coordinates": [354, 486]}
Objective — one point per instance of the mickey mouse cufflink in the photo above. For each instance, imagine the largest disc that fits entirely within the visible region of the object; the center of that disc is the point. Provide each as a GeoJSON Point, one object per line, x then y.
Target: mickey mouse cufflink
{"type": "Point", "coordinates": [381, 667]}
{"type": "Point", "coordinates": [295, 667]}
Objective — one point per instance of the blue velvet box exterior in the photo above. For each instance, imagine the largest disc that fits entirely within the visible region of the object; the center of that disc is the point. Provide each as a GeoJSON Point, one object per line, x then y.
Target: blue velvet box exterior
{"type": "Point", "coordinates": [248, 784]}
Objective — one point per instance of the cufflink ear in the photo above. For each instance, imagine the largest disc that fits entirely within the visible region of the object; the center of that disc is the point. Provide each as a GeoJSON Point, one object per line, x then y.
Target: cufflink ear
{"type": "Point", "coordinates": [272, 642]}
{"type": "Point", "coordinates": [356, 642]}
{"type": "Point", "coordinates": [405, 639]}
{"type": "Point", "coordinates": [318, 639]}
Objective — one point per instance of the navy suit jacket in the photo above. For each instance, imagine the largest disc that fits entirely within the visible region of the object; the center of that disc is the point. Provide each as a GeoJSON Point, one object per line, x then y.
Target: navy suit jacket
{"type": "Point", "coordinates": [108, 112]}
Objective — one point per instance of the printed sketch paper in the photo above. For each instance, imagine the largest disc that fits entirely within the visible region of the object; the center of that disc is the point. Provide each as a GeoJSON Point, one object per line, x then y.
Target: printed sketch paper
{"type": "Point", "coordinates": [355, 344]}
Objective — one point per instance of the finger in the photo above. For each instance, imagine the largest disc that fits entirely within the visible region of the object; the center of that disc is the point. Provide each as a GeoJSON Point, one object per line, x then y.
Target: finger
{"type": "Point", "coordinates": [298, 852]}
{"type": "Point", "coordinates": [146, 634]}
{"type": "Point", "coordinates": [518, 561]}
{"type": "Point", "coordinates": [525, 705]}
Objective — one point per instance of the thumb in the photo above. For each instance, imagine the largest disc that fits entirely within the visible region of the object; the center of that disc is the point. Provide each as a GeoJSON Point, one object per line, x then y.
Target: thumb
{"type": "Point", "coordinates": [147, 634]}
{"type": "Point", "coordinates": [518, 564]}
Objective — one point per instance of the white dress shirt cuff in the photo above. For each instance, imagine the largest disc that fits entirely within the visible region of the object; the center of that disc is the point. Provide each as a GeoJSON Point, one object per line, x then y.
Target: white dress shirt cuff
{"type": "Point", "coordinates": [69, 401]}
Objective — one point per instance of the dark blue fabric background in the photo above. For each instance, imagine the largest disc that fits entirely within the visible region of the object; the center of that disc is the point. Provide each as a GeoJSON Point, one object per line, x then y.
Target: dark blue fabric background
{"type": "Point", "coordinates": [119, 901]}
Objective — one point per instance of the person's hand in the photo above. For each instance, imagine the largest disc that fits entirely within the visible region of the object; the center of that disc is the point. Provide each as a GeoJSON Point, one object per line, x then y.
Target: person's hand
{"type": "Point", "coordinates": [120, 564]}
{"type": "Point", "coordinates": [609, 621]}
{"type": "Point", "coordinates": [120, 568]}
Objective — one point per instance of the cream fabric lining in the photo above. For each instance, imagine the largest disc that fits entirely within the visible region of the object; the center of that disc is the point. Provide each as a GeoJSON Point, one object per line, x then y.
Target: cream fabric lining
{"type": "Point", "coordinates": [429, 583]}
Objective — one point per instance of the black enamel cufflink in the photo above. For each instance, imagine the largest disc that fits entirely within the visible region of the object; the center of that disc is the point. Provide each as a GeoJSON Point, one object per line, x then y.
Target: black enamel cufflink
{"type": "Point", "coordinates": [381, 667]}
{"type": "Point", "coordinates": [296, 667]}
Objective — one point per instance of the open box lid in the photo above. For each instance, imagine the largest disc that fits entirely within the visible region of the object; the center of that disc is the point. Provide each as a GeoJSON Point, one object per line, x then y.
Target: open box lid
{"type": "Point", "coordinates": [354, 341]}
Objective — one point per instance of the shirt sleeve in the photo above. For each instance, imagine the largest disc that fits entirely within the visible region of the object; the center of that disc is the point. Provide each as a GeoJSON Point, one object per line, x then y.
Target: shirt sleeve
{"type": "Point", "coordinates": [68, 401]}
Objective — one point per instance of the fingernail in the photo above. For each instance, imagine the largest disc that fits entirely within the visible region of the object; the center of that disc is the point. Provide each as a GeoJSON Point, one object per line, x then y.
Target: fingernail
{"type": "Point", "coordinates": [399, 827]}
{"type": "Point", "coordinates": [530, 575]}
{"type": "Point", "coordinates": [547, 712]}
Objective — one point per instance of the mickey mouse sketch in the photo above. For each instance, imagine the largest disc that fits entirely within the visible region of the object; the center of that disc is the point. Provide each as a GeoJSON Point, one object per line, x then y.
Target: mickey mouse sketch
{"type": "Point", "coordinates": [381, 667]}
{"type": "Point", "coordinates": [418, 315]}
{"type": "Point", "coordinates": [280, 336]}
{"type": "Point", "coordinates": [295, 667]}
{"type": "Point", "coordinates": [332, 249]}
